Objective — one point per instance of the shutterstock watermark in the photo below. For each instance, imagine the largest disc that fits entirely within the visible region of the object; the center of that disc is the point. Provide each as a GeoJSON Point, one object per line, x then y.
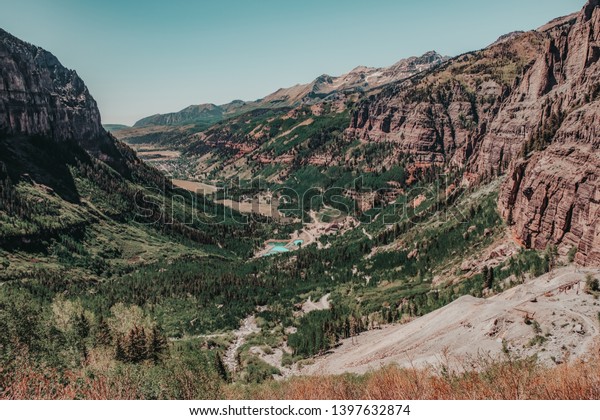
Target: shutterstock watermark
{"type": "Point", "coordinates": [252, 201]}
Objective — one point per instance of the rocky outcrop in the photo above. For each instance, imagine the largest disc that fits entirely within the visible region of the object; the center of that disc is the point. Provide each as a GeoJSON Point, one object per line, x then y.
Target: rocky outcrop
{"type": "Point", "coordinates": [38, 96]}
{"type": "Point", "coordinates": [552, 195]}
{"type": "Point", "coordinates": [48, 115]}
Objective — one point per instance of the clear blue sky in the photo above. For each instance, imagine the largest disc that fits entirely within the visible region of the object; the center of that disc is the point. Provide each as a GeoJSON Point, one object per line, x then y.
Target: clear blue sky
{"type": "Point", "coordinates": [144, 57]}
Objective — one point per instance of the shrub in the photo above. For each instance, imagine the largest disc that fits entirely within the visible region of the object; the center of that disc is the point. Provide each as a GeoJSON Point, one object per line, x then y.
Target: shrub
{"type": "Point", "coordinates": [571, 254]}
{"type": "Point", "coordinates": [591, 284]}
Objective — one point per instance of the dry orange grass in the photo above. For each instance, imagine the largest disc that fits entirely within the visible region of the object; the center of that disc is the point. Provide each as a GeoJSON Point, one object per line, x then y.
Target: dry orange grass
{"type": "Point", "coordinates": [507, 380]}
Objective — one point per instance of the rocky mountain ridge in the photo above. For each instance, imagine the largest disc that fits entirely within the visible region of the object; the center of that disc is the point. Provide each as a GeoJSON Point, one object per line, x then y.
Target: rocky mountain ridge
{"type": "Point", "coordinates": [38, 96]}
{"type": "Point", "coordinates": [360, 78]}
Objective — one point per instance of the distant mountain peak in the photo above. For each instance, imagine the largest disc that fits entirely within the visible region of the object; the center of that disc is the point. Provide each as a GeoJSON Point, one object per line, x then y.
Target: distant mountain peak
{"type": "Point", "coordinates": [360, 77]}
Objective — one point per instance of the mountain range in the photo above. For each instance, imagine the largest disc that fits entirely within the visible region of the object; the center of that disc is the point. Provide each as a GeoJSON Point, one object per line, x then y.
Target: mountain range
{"type": "Point", "coordinates": [359, 79]}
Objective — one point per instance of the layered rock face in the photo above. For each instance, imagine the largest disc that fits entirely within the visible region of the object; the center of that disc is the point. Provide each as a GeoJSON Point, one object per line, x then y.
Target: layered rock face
{"type": "Point", "coordinates": [38, 96]}
{"type": "Point", "coordinates": [552, 196]}
{"type": "Point", "coordinates": [442, 116]}
{"type": "Point", "coordinates": [528, 106]}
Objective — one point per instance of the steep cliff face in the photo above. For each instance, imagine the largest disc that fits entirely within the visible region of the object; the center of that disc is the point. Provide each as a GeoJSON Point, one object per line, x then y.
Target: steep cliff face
{"type": "Point", "coordinates": [38, 96]}
{"type": "Point", "coordinates": [552, 196]}
{"type": "Point", "coordinates": [44, 106]}
{"type": "Point", "coordinates": [527, 106]}
{"type": "Point", "coordinates": [441, 116]}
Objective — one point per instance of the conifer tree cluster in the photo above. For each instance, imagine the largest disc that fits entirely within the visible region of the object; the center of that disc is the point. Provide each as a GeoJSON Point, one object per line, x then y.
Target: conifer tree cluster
{"type": "Point", "coordinates": [138, 346]}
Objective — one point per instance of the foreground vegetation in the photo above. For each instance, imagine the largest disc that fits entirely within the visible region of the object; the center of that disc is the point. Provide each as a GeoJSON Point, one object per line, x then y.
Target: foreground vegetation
{"type": "Point", "coordinates": [502, 380]}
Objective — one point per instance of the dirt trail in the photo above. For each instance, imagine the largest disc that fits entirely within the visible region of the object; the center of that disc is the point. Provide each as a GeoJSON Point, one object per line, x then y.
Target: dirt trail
{"type": "Point", "coordinates": [471, 327]}
{"type": "Point", "coordinates": [248, 327]}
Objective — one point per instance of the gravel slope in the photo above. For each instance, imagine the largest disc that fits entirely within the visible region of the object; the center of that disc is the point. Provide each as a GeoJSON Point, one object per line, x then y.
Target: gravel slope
{"type": "Point", "coordinates": [462, 331]}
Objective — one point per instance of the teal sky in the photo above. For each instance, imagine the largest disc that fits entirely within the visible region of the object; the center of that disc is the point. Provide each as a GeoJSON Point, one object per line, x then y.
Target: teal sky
{"type": "Point", "coordinates": [145, 57]}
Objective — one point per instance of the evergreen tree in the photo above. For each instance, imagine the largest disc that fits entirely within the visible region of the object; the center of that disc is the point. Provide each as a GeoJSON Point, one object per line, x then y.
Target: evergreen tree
{"type": "Point", "coordinates": [120, 353]}
{"type": "Point", "coordinates": [220, 367]}
{"type": "Point", "coordinates": [158, 345]}
{"type": "Point", "coordinates": [489, 278]}
{"type": "Point", "coordinates": [102, 333]}
{"type": "Point", "coordinates": [551, 256]}
{"type": "Point", "coordinates": [82, 326]}
{"type": "Point", "coordinates": [485, 272]}
{"type": "Point", "coordinates": [136, 348]}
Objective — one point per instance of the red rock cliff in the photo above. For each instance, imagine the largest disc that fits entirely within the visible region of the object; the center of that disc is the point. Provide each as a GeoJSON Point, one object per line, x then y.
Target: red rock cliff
{"type": "Point", "coordinates": [552, 196]}
{"type": "Point", "coordinates": [527, 107]}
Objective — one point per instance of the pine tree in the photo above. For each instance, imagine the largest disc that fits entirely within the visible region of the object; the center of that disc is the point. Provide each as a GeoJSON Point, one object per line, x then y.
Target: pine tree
{"type": "Point", "coordinates": [120, 353]}
{"type": "Point", "coordinates": [489, 278]}
{"type": "Point", "coordinates": [220, 367]}
{"type": "Point", "coordinates": [136, 348]}
{"type": "Point", "coordinates": [485, 274]}
{"type": "Point", "coordinates": [551, 256]}
{"type": "Point", "coordinates": [102, 334]}
{"type": "Point", "coordinates": [157, 346]}
{"type": "Point", "coordinates": [82, 326]}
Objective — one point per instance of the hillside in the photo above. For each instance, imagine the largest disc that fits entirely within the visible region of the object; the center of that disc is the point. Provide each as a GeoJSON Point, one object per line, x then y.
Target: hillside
{"type": "Point", "coordinates": [114, 127]}
{"type": "Point", "coordinates": [563, 327]}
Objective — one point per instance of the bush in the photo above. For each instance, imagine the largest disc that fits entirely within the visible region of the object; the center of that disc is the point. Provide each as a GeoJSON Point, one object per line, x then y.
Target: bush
{"type": "Point", "coordinates": [591, 284]}
{"type": "Point", "coordinates": [571, 254]}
